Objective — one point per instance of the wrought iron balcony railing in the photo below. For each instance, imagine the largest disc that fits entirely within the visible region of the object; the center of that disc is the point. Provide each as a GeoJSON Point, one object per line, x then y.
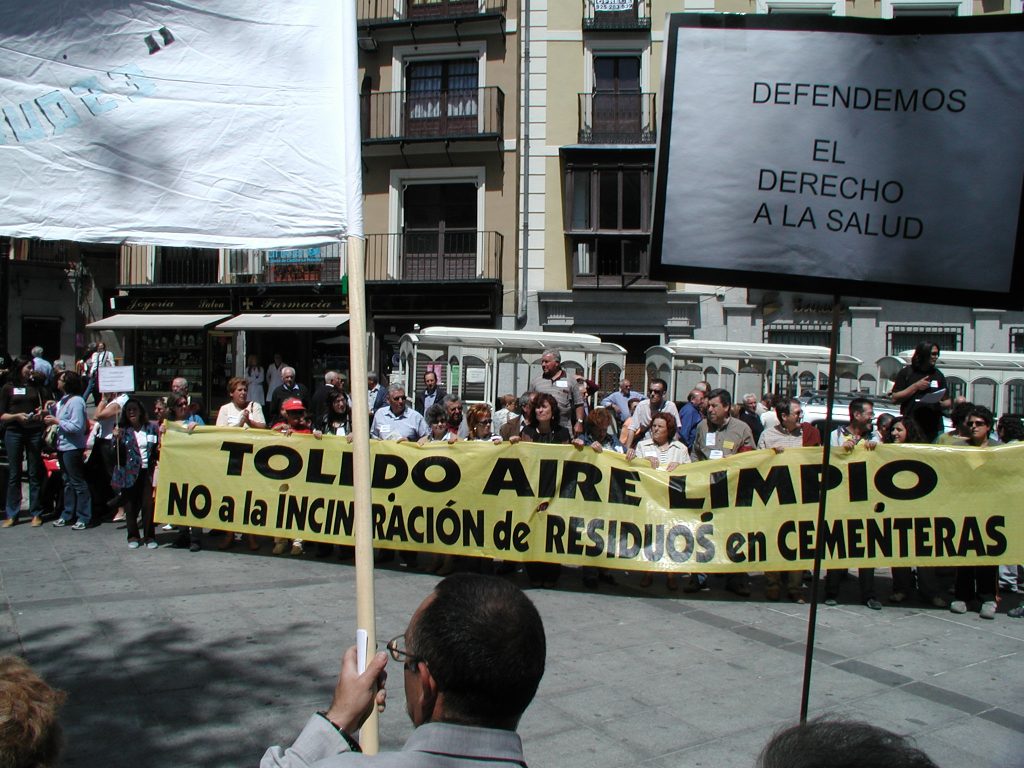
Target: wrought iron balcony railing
{"type": "Point", "coordinates": [397, 116]}
{"type": "Point", "coordinates": [435, 255]}
{"type": "Point", "coordinates": [323, 264]}
{"type": "Point", "coordinates": [618, 118]}
{"type": "Point", "coordinates": [378, 12]}
{"type": "Point", "coordinates": [635, 17]}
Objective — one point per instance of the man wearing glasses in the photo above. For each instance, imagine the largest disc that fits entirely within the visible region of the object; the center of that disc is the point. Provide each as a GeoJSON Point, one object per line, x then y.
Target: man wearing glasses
{"type": "Point", "coordinates": [398, 421]}
{"type": "Point", "coordinates": [645, 409]}
{"type": "Point", "coordinates": [468, 679]}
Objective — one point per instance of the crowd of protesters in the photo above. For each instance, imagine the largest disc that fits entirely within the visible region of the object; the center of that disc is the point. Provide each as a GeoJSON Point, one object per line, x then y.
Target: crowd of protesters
{"type": "Point", "coordinates": [109, 464]}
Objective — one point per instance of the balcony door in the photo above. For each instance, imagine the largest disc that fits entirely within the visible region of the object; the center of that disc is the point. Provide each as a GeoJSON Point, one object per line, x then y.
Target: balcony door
{"type": "Point", "coordinates": [442, 97]}
{"type": "Point", "coordinates": [440, 231]}
{"type": "Point", "coordinates": [617, 97]}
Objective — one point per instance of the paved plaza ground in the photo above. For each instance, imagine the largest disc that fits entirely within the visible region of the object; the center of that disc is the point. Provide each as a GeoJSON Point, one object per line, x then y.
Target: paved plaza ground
{"type": "Point", "coordinates": [173, 658]}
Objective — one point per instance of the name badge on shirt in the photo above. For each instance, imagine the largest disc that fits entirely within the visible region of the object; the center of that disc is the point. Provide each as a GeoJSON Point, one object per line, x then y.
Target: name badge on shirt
{"type": "Point", "coordinates": [385, 429]}
{"type": "Point", "coordinates": [562, 383]}
{"type": "Point", "coordinates": [709, 440]}
{"type": "Point", "coordinates": [20, 391]}
{"type": "Point", "coordinates": [340, 432]}
{"type": "Point", "coordinates": [715, 455]}
{"type": "Point", "coordinates": [934, 384]}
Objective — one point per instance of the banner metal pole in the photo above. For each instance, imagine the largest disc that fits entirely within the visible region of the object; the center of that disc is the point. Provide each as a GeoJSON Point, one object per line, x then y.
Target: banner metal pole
{"type": "Point", "coordinates": [819, 541]}
{"type": "Point", "coordinates": [366, 633]}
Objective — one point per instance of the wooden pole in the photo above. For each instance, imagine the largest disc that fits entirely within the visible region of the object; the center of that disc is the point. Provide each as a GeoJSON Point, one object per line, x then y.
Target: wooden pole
{"type": "Point", "coordinates": [819, 542]}
{"type": "Point", "coordinates": [366, 633]}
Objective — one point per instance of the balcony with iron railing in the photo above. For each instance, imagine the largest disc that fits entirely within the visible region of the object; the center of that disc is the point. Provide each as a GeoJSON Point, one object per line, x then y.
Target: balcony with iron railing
{"type": "Point", "coordinates": [618, 118]}
{"type": "Point", "coordinates": [433, 255]}
{"type": "Point", "coordinates": [376, 13]}
{"type": "Point", "coordinates": [436, 255]}
{"type": "Point", "coordinates": [45, 253]}
{"type": "Point", "coordinates": [423, 116]}
{"type": "Point", "coordinates": [611, 16]}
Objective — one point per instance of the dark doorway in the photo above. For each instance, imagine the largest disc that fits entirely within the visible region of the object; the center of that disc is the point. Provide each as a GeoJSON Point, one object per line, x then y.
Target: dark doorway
{"type": "Point", "coordinates": [41, 331]}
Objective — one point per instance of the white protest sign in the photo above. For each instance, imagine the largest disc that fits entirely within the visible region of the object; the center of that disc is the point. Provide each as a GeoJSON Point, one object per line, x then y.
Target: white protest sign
{"type": "Point", "coordinates": [844, 155]}
{"type": "Point", "coordinates": [117, 378]}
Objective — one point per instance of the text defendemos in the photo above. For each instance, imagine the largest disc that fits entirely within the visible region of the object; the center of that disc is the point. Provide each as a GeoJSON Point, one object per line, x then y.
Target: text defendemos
{"type": "Point", "coordinates": [849, 157]}
{"type": "Point", "coordinates": [896, 505]}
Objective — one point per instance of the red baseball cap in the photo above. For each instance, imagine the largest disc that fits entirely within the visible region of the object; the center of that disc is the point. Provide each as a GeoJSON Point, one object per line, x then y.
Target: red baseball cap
{"type": "Point", "coordinates": [292, 404]}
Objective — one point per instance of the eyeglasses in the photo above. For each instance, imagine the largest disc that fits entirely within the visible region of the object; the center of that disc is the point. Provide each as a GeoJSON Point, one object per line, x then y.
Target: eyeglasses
{"type": "Point", "coordinates": [976, 424]}
{"type": "Point", "coordinates": [409, 661]}
{"type": "Point", "coordinates": [485, 421]}
{"type": "Point", "coordinates": [656, 391]}
{"type": "Point", "coordinates": [399, 397]}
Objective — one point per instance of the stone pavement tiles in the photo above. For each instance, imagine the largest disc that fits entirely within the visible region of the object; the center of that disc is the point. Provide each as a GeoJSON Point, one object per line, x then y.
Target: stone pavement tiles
{"type": "Point", "coordinates": [173, 658]}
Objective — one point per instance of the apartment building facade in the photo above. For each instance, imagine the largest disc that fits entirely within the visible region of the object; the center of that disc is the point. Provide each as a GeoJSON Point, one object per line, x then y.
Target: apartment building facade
{"type": "Point", "coordinates": [592, 98]}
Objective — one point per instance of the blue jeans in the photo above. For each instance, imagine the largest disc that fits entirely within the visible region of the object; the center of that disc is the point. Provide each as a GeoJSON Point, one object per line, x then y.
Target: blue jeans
{"type": "Point", "coordinates": [77, 500]}
{"type": "Point", "coordinates": [28, 442]}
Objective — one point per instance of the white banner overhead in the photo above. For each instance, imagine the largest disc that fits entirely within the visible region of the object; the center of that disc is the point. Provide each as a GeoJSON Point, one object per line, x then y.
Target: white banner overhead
{"type": "Point", "coordinates": [226, 123]}
{"type": "Point", "coordinates": [878, 158]}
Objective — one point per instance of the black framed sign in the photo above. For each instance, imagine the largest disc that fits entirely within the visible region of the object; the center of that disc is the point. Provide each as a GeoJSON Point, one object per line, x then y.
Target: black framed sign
{"type": "Point", "coordinates": [863, 157]}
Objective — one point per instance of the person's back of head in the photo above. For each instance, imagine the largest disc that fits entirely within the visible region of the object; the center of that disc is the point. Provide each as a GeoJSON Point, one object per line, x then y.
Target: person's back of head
{"type": "Point", "coordinates": [30, 734]}
{"type": "Point", "coordinates": [483, 642]}
{"type": "Point", "coordinates": [827, 743]}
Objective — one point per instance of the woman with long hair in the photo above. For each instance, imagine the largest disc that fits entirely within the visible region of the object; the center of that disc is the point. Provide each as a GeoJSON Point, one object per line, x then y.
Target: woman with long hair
{"type": "Point", "coordinates": [921, 391]}
{"type": "Point", "coordinates": [338, 418]}
{"type": "Point", "coordinates": [135, 439]}
{"type": "Point", "coordinates": [22, 408]}
{"type": "Point", "coordinates": [73, 427]}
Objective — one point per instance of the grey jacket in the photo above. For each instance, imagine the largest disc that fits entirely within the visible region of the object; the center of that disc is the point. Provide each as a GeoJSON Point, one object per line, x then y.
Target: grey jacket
{"type": "Point", "coordinates": [433, 745]}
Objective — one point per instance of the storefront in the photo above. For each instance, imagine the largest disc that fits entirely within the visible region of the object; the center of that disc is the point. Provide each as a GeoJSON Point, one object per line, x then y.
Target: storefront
{"type": "Point", "coordinates": [208, 334]}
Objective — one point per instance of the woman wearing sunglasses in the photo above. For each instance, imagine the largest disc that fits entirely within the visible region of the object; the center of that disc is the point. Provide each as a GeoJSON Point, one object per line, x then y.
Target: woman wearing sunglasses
{"type": "Point", "coordinates": [977, 582]}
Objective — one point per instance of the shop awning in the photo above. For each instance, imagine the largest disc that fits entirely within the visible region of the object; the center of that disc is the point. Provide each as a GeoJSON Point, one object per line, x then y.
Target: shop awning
{"type": "Point", "coordinates": [284, 321]}
{"type": "Point", "coordinates": [133, 320]}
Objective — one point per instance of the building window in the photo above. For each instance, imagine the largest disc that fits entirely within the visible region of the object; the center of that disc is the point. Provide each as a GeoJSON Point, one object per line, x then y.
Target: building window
{"type": "Point", "coordinates": [900, 338]}
{"type": "Point", "coordinates": [608, 220]}
{"type": "Point", "coordinates": [441, 97]}
{"type": "Point", "coordinates": [1017, 340]}
{"type": "Point", "coordinates": [609, 199]}
{"type": "Point", "coordinates": [1014, 402]}
{"type": "Point", "coordinates": [187, 266]}
{"type": "Point", "coordinates": [815, 334]}
{"type": "Point", "coordinates": [893, 8]}
{"type": "Point", "coordinates": [820, 7]}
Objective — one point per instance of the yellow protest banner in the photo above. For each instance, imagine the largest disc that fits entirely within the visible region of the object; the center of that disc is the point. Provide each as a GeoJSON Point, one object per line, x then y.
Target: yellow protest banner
{"type": "Point", "coordinates": [895, 505]}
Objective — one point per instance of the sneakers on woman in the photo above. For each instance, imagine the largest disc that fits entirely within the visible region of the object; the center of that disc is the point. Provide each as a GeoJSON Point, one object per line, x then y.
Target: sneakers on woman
{"type": "Point", "coordinates": [958, 606]}
{"type": "Point", "coordinates": [60, 522]}
{"type": "Point", "coordinates": [151, 544]}
{"type": "Point", "coordinates": [79, 526]}
{"type": "Point", "coordinates": [988, 609]}
{"type": "Point", "coordinates": [133, 544]}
